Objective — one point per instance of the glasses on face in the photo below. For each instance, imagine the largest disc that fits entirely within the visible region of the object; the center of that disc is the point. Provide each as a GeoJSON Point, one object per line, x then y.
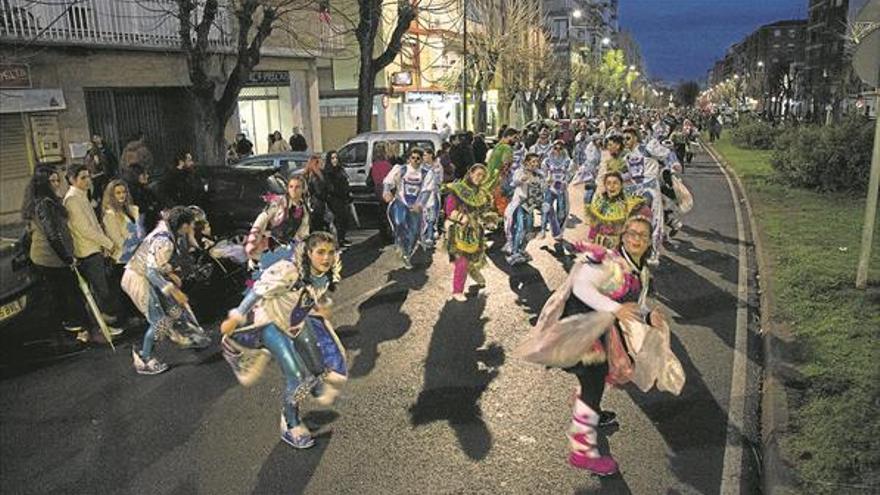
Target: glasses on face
{"type": "Point", "coordinates": [634, 234]}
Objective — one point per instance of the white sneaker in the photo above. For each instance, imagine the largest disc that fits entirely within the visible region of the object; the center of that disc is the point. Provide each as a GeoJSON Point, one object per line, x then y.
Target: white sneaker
{"type": "Point", "coordinates": [152, 367]}
{"type": "Point", "coordinates": [458, 296]}
{"type": "Point", "coordinates": [507, 249]}
{"type": "Point", "coordinates": [115, 331]}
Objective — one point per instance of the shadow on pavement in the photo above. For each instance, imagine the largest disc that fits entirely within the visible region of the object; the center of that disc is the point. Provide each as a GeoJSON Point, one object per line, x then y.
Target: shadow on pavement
{"type": "Point", "coordinates": [526, 282]}
{"type": "Point", "coordinates": [710, 235]}
{"type": "Point", "coordinates": [362, 255]}
{"type": "Point", "coordinates": [457, 372]}
{"type": "Point", "coordinates": [693, 425]}
{"type": "Point", "coordinates": [288, 470]}
{"type": "Point", "coordinates": [381, 317]}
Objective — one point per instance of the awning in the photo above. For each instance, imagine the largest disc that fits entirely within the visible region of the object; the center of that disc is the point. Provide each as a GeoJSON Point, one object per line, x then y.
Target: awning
{"type": "Point", "coordinates": [31, 100]}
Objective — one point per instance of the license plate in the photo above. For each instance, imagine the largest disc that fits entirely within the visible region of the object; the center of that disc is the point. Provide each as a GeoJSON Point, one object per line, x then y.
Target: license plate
{"type": "Point", "coordinates": [11, 309]}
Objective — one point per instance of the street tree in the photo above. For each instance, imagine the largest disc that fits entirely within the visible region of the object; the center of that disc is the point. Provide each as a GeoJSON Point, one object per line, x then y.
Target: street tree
{"type": "Point", "coordinates": [217, 76]}
{"type": "Point", "coordinates": [369, 23]}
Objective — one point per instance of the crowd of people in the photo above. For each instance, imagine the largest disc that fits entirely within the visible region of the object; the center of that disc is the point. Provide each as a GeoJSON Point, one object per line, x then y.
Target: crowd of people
{"type": "Point", "coordinates": [114, 252]}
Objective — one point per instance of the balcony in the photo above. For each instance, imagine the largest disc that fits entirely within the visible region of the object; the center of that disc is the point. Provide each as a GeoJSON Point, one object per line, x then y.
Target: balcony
{"type": "Point", "coordinates": [133, 24]}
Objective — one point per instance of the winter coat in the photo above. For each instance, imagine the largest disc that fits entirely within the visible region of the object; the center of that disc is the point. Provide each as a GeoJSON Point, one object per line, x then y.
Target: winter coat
{"type": "Point", "coordinates": [51, 242]}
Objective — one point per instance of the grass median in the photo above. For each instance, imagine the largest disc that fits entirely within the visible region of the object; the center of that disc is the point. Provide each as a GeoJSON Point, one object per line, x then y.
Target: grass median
{"type": "Point", "coordinates": [812, 242]}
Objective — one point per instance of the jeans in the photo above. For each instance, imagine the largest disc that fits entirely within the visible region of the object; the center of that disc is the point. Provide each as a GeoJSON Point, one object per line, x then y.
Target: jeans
{"type": "Point", "coordinates": [406, 225]}
{"type": "Point", "coordinates": [554, 211]}
{"type": "Point", "coordinates": [521, 227]}
{"type": "Point", "coordinates": [94, 269]}
{"type": "Point", "coordinates": [61, 290]}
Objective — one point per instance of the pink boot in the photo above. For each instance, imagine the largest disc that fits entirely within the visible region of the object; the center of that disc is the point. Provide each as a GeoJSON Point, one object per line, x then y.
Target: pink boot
{"type": "Point", "coordinates": [582, 439]}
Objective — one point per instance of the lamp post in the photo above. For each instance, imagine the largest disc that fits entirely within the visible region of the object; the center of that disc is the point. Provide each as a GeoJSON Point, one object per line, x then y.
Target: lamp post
{"type": "Point", "coordinates": [464, 95]}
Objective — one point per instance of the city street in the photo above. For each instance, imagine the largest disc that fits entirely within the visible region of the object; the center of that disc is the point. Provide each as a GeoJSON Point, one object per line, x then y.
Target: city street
{"type": "Point", "coordinates": [435, 404]}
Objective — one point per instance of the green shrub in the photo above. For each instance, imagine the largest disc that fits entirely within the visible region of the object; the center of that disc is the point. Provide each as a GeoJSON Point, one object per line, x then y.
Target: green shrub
{"type": "Point", "coordinates": [826, 158]}
{"type": "Point", "coordinates": [754, 133]}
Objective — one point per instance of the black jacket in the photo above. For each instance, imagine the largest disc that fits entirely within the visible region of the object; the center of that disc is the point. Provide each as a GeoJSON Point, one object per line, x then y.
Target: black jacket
{"type": "Point", "coordinates": [51, 217]}
{"type": "Point", "coordinates": [298, 143]}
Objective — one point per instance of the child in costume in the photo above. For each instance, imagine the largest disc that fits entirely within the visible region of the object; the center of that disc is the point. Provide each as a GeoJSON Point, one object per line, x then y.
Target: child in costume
{"type": "Point", "coordinates": [469, 212]}
{"type": "Point", "coordinates": [283, 223]}
{"type": "Point", "coordinates": [609, 210]}
{"type": "Point", "coordinates": [153, 283]}
{"type": "Point", "coordinates": [288, 308]}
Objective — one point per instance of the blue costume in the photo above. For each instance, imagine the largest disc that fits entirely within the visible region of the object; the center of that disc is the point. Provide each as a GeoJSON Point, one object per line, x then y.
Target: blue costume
{"type": "Point", "coordinates": [556, 170]}
{"type": "Point", "coordinates": [412, 188]}
{"type": "Point", "coordinates": [285, 308]}
{"type": "Point", "coordinates": [528, 195]}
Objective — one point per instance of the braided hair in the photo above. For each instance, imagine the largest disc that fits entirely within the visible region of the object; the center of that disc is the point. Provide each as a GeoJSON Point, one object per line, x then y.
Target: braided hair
{"type": "Point", "coordinates": [305, 264]}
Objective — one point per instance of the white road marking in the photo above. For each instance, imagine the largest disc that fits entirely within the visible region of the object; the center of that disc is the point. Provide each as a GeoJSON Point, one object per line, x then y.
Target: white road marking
{"type": "Point", "coordinates": [731, 475]}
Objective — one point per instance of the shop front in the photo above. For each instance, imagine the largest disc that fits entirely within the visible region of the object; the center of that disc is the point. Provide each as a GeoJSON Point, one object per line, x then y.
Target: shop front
{"type": "Point", "coordinates": [421, 110]}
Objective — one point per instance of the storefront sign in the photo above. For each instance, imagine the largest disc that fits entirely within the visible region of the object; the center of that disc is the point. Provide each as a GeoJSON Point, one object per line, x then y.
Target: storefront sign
{"type": "Point", "coordinates": [423, 97]}
{"type": "Point", "coordinates": [269, 78]}
{"type": "Point", "coordinates": [15, 76]}
{"type": "Point", "coordinates": [31, 100]}
{"type": "Point", "coordinates": [402, 78]}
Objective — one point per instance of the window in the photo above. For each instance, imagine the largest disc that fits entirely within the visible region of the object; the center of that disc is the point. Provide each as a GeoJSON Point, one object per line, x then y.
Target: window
{"type": "Point", "coordinates": [792, 33]}
{"type": "Point", "coordinates": [838, 3]}
{"type": "Point", "coordinates": [777, 33]}
{"type": "Point", "coordinates": [353, 155]}
{"type": "Point", "coordinates": [559, 29]}
{"type": "Point", "coordinates": [408, 145]}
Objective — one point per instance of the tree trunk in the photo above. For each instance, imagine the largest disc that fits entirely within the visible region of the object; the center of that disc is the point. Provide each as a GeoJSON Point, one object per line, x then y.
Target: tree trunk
{"type": "Point", "coordinates": [479, 110]}
{"type": "Point", "coordinates": [366, 86]}
{"type": "Point", "coordinates": [210, 143]}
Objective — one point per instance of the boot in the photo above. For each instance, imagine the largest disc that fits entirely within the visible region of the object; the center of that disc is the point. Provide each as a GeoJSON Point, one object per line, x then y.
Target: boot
{"type": "Point", "coordinates": [582, 440]}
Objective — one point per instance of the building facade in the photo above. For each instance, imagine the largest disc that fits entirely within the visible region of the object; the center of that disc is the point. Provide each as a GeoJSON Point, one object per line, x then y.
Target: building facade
{"type": "Point", "coordinates": [115, 69]}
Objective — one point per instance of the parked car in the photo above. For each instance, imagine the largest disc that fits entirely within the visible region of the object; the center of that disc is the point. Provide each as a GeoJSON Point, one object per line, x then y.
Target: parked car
{"type": "Point", "coordinates": [234, 195]}
{"type": "Point", "coordinates": [17, 289]}
{"type": "Point", "coordinates": [356, 156]}
{"type": "Point", "coordinates": [293, 161]}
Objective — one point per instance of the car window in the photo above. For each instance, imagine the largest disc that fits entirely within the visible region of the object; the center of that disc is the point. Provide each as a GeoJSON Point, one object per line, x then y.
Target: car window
{"type": "Point", "coordinates": [354, 153]}
{"type": "Point", "coordinates": [226, 187]}
{"type": "Point", "coordinates": [424, 145]}
{"type": "Point", "coordinates": [258, 164]}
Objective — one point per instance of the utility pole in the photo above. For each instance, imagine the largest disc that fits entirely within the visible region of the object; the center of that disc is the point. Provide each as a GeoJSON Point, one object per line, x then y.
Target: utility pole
{"type": "Point", "coordinates": [871, 205]}
{"type": "Point", "coordinates": [464, 95]}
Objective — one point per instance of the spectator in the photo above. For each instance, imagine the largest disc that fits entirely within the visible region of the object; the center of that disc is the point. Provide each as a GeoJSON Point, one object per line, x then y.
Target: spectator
{"type": "Point", "coordinates": [180, 186]}
{"type": "Point", "coordinates": [298, 141]}
{"type": "Point", "coordinates": [461, 154]}
{"type": "Point", "coordinates": [90, 243]}
{"type": "Point", "coordinates": [480, 148]}
{"type": "Point", "coordinates": [102, 164]}
{"type": "Point", "coordinates": [338, 196]}
{"type": "Point", "coordinates": [381, 167]}
{"type": "Point", "coordinates": [51, 250]}
{"type": "Point", "coordinates": [445, 131]}
{"type": "Point", "coordinates": [243, 147]}
{"type": "Point", "coordinates": [279, 145]}
{"type": "Point", "coordinates": [319, 193]}
{"type": "Point", "coordinates": [123, 225]}
{"type": "Point", "coordinates": [137, 180]}
{"type": "Point", "coordinates": [136, 151]}
{"type": "Point", "coordinates": [446, 162]}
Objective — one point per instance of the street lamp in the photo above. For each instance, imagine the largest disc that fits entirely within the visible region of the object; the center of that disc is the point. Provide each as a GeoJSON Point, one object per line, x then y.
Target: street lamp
{"type": "Point", "coordinates": [760, 63]}
{"type": "Point", "coordinates": [577, 14]}
{"type": "Point", "coordinates": [606, 41]}
{"type": "Point", "coordinates": [632, 67]}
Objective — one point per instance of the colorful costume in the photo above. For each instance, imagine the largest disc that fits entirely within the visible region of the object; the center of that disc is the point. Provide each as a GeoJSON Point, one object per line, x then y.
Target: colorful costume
{"type": "Point", "coordinates": [276, 230]}
{"type": "Point", "coordinates": [285, 307]}
{"type": "Point", "coordinates": [469, 210]}
{"type": "Point", "coordinates": [577, 331]}
{"type": "Point", "coordinates": [607, 216]}
{"type": "Point", "coordinates": [556, 170]}
{"type": "Point", "coordinates": [587, 157]}
{"type": "Point", "coordinates": [432, 208]}
{"type": "Point", "coordinates": [148, 282]}
{"type": "Point", "coordinates": [528, 196]}
{"type": "Point", "coordinates": [413, 188]}
{"type": "Point", "coordinates": [642, 178]}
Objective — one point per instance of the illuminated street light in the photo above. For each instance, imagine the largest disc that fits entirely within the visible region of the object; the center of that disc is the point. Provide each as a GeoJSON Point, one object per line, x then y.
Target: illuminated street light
{"type": "Point", "coordinates": [632, 67]}
{"type": "Point", "coordinates": [606, 41]}
{"type": "Point", "coordinates": [760, 63]}
{"type": "Point", "coordinates": [577, 13]}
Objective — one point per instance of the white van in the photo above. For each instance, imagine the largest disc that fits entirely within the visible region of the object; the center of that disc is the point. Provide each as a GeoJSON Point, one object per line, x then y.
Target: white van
{"type": "Point", "coordinates": [356, 156]}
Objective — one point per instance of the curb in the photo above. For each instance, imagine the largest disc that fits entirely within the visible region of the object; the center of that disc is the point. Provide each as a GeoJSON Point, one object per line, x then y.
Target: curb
{"type": "Point", "coordinates": [778, 347]}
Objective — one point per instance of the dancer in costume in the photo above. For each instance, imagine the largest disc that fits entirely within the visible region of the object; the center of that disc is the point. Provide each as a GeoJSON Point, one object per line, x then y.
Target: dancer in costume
{"type": "Point", "coordinates": [432, 208]}
{"type": "Point", "coordinates": [644, 165]}
{"type": "Point", "coordinates": [408, 188]}
{"type": "Point", "coordinates": [528, 195]}
{"type": "Point", "coordinates": [282, 223]}
{"type": "Point", "coordinates": [152, 282]}
{"type": "Point", "coordinates": [587, 157]}
{"type": "Point", "coordinates": [288, 312]}
{"type": "Point", "coordinates": [596, 326]}
{"type": "Point", "coordinates": [469, 211]}
{"type": "Point", "coordinates": [543, 146]}
{"type": "Point", "coordinates": [556, 169]}
{"type": "Point", "coordinates": [499, 166]}
{"type": "Point", "coordinates": [609, 210]}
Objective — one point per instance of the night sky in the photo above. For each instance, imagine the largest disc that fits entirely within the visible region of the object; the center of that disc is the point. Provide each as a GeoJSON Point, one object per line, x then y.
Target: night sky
{"type": "Point", "coordinates": [681, 39]}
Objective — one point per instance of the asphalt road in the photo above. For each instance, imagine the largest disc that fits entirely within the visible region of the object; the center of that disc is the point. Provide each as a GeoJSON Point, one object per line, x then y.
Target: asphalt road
{"type": "Point", "coordinates": [434, 405]}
